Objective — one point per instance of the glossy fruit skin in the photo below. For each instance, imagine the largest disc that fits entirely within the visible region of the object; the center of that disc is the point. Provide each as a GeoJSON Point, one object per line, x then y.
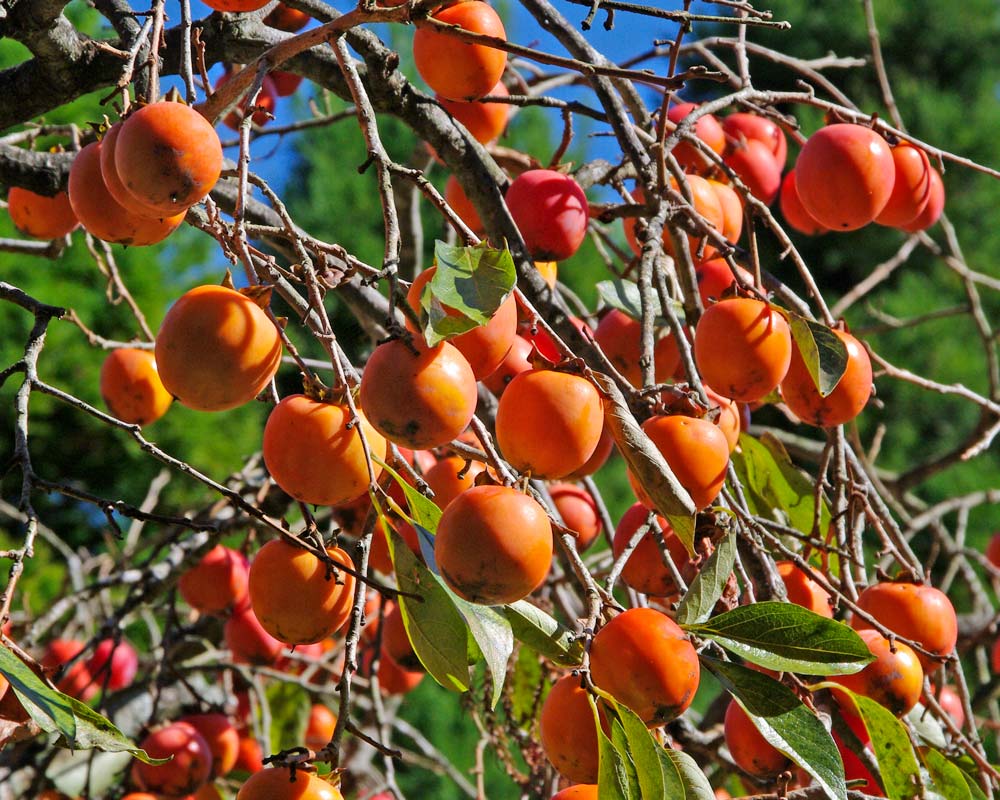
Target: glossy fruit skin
{"type": "Point", "coordinates": [714, 277]}
{"type": "Point", "coordinates": [844, 403]}
{"type": "Point", "coordinates": [168, 156]}
{"type": "Point", "coordinates": [600, 456]}
{"type": "Point", "coordinates": [396, 642]}
{"type": "Point", "coordinates": [705, 200]}
{"type": "Point", "coordinates": [216, 349]}
{"type": "Point", "coordinates": [911, 189]}
{"type": "Point", "coordinates": [742, 348]}
{"type": "Point", "coordinates": [322, 723]}
{"type": "Point", "coordinates": [493, 545]}
{"type": "Point", "coordinates": [919, 613]}
{"type": "Point", "coordinates": [803, 590]}
{"type": "Point", "coordinates": [314, 456]}
{"type": "Point", "coordinates": [707, 128]}
{"type": "Point", "coordinates": [222, 739]}
{"type": "Point", "coordinates": [541, 339]}
{"type": "Point", "coordinates": [748, 747]}
{"type": "Point", "coordinates": [578, 511]}
{"type": "Point", "coordinates": [932, 211]}
{"type": "Point", "coordinates": [77, 681]}
{"type": "Point", "coordinates": [318, 606]}
{"type": "Point", "coordinates": [515, 362]}
{"type": "Point", "coordinates": [217, 582]}
{"type": "Point", "coordinates": [645, 570]}
{"type": "Point", "coordinates": [460, 203]}
{"type": "Point", "coordinates": [275, 784]}
{"type": "Point", "coordinates": [732, 210]}
{"type": "Point", "coordinates": [285, 83]}
{"type": "Point", "coordinates": [439, 387]}
{"type": "Point", "coordinates": [697, 452]}
{"type": "Point", "coordinates": [250, 757]}
{"type": "Point", "coordinates": [855, 769]}
{"type": "Point", "coordinates": [113, 665]}
{"type": "Point", "coordinates": [40, 216]}
{"type": "Point", "coordinates": [285, 18]}
{"type": "Point", "coordinates": [582, 791]}
{"type": "Point", "coordinates": [753, 126]}
{"type": "Point", "coordinates": [190, 767]}
{"type": "Point", "coordinates": [248, 641]}
{"type": "Point", "coordinates": [844, 176]}
{"type": "Point", "coordinates": [620, 337]}
{"type": "Point", "coordinates": [549, 423]}
{"type": "Point", "coordinates": [452, 68]}
{"type": "Point", "coordinates": [101, 215]}
{"type": "Point", "coordinates": [112, 180]}
{"type": "Point", "coordinates": [236, 5]}
{"type": "Point", "coordinates": [131, 386]}
{"type": "Point", "coordinates": [756, 166]}
{"type": "Point", "coordinates": [568, 732]}
{"type": "Point", "coordinates": [267, 100]}
{"type": "Point", "coordinates": [394, 680]}
{"type": "Point", "coordinates": [451, 476]}
{"type": "Point", "coordinates": [643, 660]}
{"type": "Point", "coordinates": [794, 212]}
{"type": "Point", "coordinates": [485, 121]}
{"type": "Point", "coordinates": [485, 346]}
{"type": "Point", "coordinates": [894, 679]}
{"type": "Point", "coordinates": [951, 703]}
{"type": "Point", "coordinates": [551, 212]}
{"type": "Point", "coordinates": [729, 417]}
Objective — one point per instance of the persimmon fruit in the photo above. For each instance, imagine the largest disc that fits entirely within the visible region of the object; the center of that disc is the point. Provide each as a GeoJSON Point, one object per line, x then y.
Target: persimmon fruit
{"type": "Point", "coordinates": [803, 590]}
{"type": "Point", "coordinates": [894, 679]}
{"type": "Point", "coordinates": [728, 420]}
{"type": "Point", "coordinates": [732, 210]}
{"type": "Point", "coordinates": [548, 423]}
{"type": "Point", "coordinates": [620, 337]}
{"type": "Point", "coordinates": [844, 403]}
{"type": "Point", "coordinates": [714, 277]}
{"type": "Point", "coordinates": [313, 450]}
{"type": "Point", "coordinates": [515, 362]}
{"type": "Point", "coordinates": [645, 570]}
{"type": "Point", "coordinates": [794, 212]}
{"type": "Point", "coordinates": [131, 386]}
{"type": "Point", "coordinates": [706, 128]}
{"type": "Point", "coordinates": [439, 387]}
{"type": "Point", "coordinates": [932, 211]}
{"type": "Point", "coordinates": [217, 582]}
{"type": "Point", "coordinates": [236, 5]}
{"type": "Point", "coordinates": [263, 106]}
{"type": "Point", "coordinates": [844, 176]}
{"type": "Point", "coordinates": [451, 476]}
{"type": "Point", "coordinates": [911, 189]}
{"type": "Point", "coordinates": [286, 18]}
{"type": "Point", "coordinates": [742, 348]}
{"type": "Point", "coordinates": [748, 747]}
{"type": "Point", "coordinates": [551, 212]}
{"type": "Point", "coordinates": [460, 203]}
{"type": "Point", "coordinates": [190, 765]}
{"type": "Point", "coordinates": [320, 603]}
{"type": "Point", "coordinates": [485, 121]}
{"type": "Point", "coordinates": [581, 791]}
{"type": "Point", "coordinates": [452, 68]}
{"type": "Point", "coordinates": [396, 641]}
{"type": "Point", "coordinates": [754, 164]}
{"type": "Point", "coordinates": [112, 180]}
{"type": "Point", "coordinates": [568, 732]}
{"type": "Point", "coordinates": [113, 664]}
{"type": "Point", "coordinates": [216, 349]}
{"type": "Point", "coordinates": [319, 730]}
{"type": "Point", "coordinates": [578, 511]}
{"type": "Point", "coordinates": [276, 783]}
{"type": "Point", "coordinates": [642, 658]}
{"type": "Point", "coordinates": [742, 126]}
{"type": "Point", "coordinates": [493, 545]}
{"type": "Point", "coordinates": [40, 216]}
{"type": "Point", "coordinates": [222, 738]}
{"type": "Point", "coordinates": [247, 639]}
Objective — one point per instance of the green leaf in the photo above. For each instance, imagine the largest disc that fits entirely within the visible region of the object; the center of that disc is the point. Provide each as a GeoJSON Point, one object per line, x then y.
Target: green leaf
{"type": "Point", "coordinates": [527, 681]}
{"type": "Point", "coordinates": [468, 286]}
{"type": "Point", "coordinates": [707, 587]}
{"type": "Point", "coordinates": [684, 528]}
{"type": "Point", "coordinates": [970, 772]}
{"type": "Point", "coordinates": [948, 779]}
{"type": "Point", "coordinates": [423, 510]}
{"type": "Point", "coordinates": [624, 295]}
{"type": "Point", "coordinates": [785, 722]}
{"type": "Point", "coordinates": [823, 352]}
{"type": "Point", "coordinates": [644, 752]}
{"type": "Point", "coordinates": [493, 636]}
{"type": "Point", "coordinates": [787, 637]}
{"type": "Point", "coordinates": [626, 766]}
{"type": "Point", "coordinates": [437, 630]}
{"type": "Point", "coordinates": [289, 706]}
{"type": "Point", "coordinates": [613, 769]}
{"type": "Point", "coordinates": [544, 634]}
{"type": "Point", "coordinates": [52, 710]}
{"type": "Point", "coordinates": [97, 732]}
{"type": "Point", "coordinates": [682, 777]}
{"type": "Point", "coordinates": [775, 487]}
{"type": "Point", "coordinates": [896, 760]}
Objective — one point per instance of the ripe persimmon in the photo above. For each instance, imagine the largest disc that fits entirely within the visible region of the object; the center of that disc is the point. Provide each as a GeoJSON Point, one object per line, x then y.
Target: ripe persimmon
{"type": "Point", "coordinates": [642, 658]}
{"type": "Point", "coordinates": [568, 732]}
{"type": "Point", "coordinates": [439, 387]}
{"type": "Point", "coordinates": [168, 156]}
{"type": "Point", "coordinates": [264, 105]}
{"type": "Point", "coordinates": [460, 203]}
{"type": "Point", "coordinates": [620, 337]}
{"type": "Point", "coordinates": [485, 346]}
{"type": "Point", "coordinates": [645, 570]}
{"type": "Point", "coordinates": [485, 121]}
{"type": "Point", "coordinates": [932, 211]}
{"type": "Point", "coordinates": [707, 203]}
{"type": "Point", "coordinates": [104, 217]}
{"type": "Point", "coordinates": [579, 512]}
{"type": "Point", "coordinates": [451, 476]}
{"type": "Point", "coordinates": [911, 189]}
{"type": "Point", "coordinates": [922, 614]}
{"type": "Point", "coordinates": [313, 451]}
{"type": "Point", "coordinates": [455, 69]}
{"type": "Point", "coordinates": [217, 582]}
{"type": "Point", "coordinates": [894, 679]}
{"type": "Point", "coordinates": [696, 451]}
{"type": "Point", "coordinates": [581, 791]}
{"type": "Point", "coordinates": [597, 459]}
{"type": "Point", "coordinates": [732, 210]}
{"type": "Point", "coordinates": [794, 212]}
{"type": "Point", "coordinates": [551, 212]}
{"type": "Point", "coordinates": [548, 423]}
{"type": "Point", "coordinates": [40, 216]}
{"type": "Point", "coordinates": [280, 783]}
{"type": "Point", "coordinates": [803, 590]}
{"type": "Point", "coordinates": [728, 420]}
{"type": "Point", "coordinates": [216, 349]}
{"type": "Point", "coordinates": [222, 739]}
{"type": "Point", "coordinates": [844, 176]}
{"type": "Point", "coordinates": [113, 182]}
{"type": "Point", "coordinates": [248, 641]}
{"type": "Point", "coordinates": [285, 83]}
{"type": "Point", "coordinates": [320, 603]}
{"type": "Point", "coordinates": [844, 403]}
{"type": "Point", "coordinates": [748, 747]}
{"type": "Point", "coordinates": [319, 730]}
{"type": "Point", "coordinates": [515, 362]}
{"type": "Point", "coordinates": [742, 348]}
{"type": "Point", "coordinates": [754, 164]}
{"type": "Point", "coordinates": [714, 277]}
{"type": "Point", "coordinates": [493, 545]}
{"type": "Point", "coordinates": [286, 18]}
{"type": "Point", "coordinates": [190, 763]}
{"type": "Point", "coordinates": [131, 386]}
{"type": "Point", "coordinates": [396, 641]}
{"type": "Point", "coordinates": [742, 126]}
{"type": "Point", "coordinates": [707, 128]}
